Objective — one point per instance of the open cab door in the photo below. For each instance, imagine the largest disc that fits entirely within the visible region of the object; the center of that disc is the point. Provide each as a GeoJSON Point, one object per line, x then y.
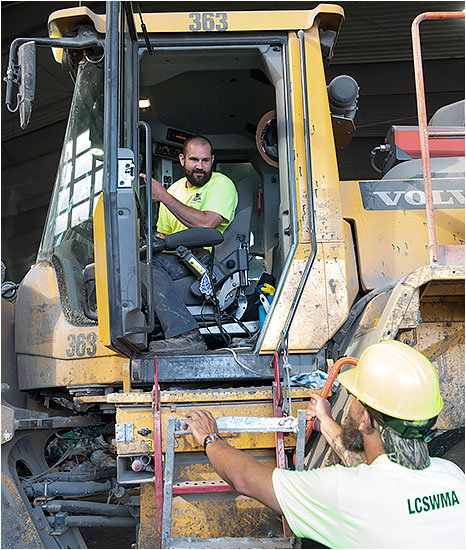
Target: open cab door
{"type": "Point", "coordinates": [122, 324]}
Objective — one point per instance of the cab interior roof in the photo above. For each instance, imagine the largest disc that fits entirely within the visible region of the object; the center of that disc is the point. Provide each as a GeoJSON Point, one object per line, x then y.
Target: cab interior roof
{"type": "Point", "coordinates": [208, 92]}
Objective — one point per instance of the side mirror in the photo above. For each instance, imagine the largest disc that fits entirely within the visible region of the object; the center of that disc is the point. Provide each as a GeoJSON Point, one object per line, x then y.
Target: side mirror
{"type": "Point", "coordinates": [27, 83]}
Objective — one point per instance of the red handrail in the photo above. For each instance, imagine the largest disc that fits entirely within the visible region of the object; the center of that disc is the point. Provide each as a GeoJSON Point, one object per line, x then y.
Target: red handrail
{"type": "Point", "coordinates": [326, 390]}
{"type": "Point", "coordinates": [328, 385]}
{"type": "Point", "coordinates": [158, 468]}
{"type": "Point", "coordinates": [422, 118]}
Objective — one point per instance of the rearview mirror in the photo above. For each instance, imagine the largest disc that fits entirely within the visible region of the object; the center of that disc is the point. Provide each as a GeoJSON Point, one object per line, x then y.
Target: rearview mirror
{"type": "Point", "coordinates": [27, 84]}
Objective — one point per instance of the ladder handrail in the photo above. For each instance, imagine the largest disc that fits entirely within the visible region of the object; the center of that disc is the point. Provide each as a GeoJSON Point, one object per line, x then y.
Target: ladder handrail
{"type": "Point", "coordinates": [158, 465]}
{"type": "Point", "coordinates": [422, 118]}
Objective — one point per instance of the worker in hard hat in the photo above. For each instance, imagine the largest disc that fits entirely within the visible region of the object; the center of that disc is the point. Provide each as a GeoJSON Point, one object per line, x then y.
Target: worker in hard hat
{"type": "Point", "coordinates": [398, 498]}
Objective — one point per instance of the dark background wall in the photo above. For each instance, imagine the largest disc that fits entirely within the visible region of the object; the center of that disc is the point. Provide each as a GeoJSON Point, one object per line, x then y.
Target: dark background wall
{"type": "Point", "coordinates": [374, 47]}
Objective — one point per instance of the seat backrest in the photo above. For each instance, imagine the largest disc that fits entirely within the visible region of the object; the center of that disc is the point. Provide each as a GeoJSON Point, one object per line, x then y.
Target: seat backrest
{"type": "Point", "coordinates": [236, 233]}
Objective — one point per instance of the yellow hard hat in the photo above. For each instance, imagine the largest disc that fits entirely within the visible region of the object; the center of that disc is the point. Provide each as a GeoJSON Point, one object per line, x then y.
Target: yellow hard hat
{"type": "Point", "coordinates": [395, 379]}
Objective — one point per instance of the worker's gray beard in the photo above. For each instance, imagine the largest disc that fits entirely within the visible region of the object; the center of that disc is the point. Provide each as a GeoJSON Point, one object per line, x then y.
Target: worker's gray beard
{"type": "Point", "coordinates": [351, 437]}
{"type": "Point", "coordinates": [200, 181]}
{"type": "Point", "coordinates": [410, 453]}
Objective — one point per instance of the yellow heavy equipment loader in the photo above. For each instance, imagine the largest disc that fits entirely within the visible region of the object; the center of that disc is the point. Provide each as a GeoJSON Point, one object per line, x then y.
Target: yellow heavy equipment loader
{"type": "Point", "coordinates": [310, 272]}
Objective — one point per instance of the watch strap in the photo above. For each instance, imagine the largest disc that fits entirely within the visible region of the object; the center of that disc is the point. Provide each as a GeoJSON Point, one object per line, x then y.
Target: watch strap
{"type": "Point", "coordinates": [209, 438]}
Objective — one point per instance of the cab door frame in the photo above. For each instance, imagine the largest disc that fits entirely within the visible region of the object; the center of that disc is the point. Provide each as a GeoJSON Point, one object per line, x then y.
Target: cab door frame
{"type": "Point", "coordinates": [122, 324]}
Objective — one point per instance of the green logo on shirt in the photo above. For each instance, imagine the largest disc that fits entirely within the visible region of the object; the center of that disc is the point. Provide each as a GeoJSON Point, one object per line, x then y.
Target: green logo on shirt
{"type": "Point", "coordinates": [432, 502]}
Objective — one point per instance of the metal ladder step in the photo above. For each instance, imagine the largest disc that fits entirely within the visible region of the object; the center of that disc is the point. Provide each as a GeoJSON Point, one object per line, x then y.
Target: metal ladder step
{"type": "Point", "coordinates": [232, 542]}
{"type": "Point", "coordinates": [231, 424]}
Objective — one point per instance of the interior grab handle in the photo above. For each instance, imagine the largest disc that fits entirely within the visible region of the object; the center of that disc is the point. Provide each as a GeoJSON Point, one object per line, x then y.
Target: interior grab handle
{"type": "Point", "coordinates": [148, 170]}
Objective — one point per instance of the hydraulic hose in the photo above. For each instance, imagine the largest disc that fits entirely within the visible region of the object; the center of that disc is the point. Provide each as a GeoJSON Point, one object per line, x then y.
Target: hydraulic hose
{"type": "Point", "coordinates": [375, 150]}
{"type": "Point", "coordinates": [95, 521]}
{"type": "Point", "coordinates": [66, 489]}
{"type": "Point", "coordinates": [86, 507]}
{"type": "Point", "coordinates": [73, 476]}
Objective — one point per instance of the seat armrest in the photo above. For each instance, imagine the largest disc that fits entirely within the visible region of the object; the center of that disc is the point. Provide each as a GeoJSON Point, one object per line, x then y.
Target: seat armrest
{"type": "Point", "coordinates": [195, 237]}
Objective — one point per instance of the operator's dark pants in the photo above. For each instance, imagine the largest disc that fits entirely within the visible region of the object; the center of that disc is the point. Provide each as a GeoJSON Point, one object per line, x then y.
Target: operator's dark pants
{"type": "Point", "coordinates": [169, 307]}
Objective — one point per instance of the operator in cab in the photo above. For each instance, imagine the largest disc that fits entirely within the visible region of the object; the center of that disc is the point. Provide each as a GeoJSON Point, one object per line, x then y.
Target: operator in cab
{"type": "Point", "coordinates": [202, 198]}
{"type": "Point", "coordinates": [396, 497]}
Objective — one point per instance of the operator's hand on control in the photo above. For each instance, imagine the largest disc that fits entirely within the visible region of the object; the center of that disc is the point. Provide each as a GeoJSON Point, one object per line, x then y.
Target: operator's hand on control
{"type": "Point", "coordinates": [318, 408]}
{"type": "Point", "coordinates": [202, 423]}
{"type": "Point", "coordinates": [158, 190]}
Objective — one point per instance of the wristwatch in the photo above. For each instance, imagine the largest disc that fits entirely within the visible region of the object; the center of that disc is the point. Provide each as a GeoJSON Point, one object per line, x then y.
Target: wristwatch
{"type": "Point", "coordinates": [209, 438]}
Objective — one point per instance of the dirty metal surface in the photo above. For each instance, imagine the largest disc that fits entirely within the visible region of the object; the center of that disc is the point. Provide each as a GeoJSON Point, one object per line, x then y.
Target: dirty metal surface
{"type": "Point", "coordinates": [21, 531]}
{"type": "Point", "coordinates": [440, 336]}
{"type": "Point", "coordinates": [213, 366]}
{"type": "Point", "coordinates": [195, 467]}
{"type": "Point", "coordinates": [147, 532]}
{"type": "Point", "coordinates": [449, 445]}
{"type": "Point", "coordinates": [8, 423]}
{"type": "Point", "coordinates": [371, 315]}
{"type": "Point", "coordinates": [48, 371]}
{"type": "Point", "coordinates": [398, 313]}
{"type": "Point", "coordinates": [443, 344]}
{"type": "Point", "coordinates": [386, 256]}
{"type": "Point", "coordinates": [138, 418]}
{"type": "Point", "coordinates": [319, 314]}
{"type": "Point", "coordinates": [51, 351]}
{"type": "Point", "coordinates": [185, 396]}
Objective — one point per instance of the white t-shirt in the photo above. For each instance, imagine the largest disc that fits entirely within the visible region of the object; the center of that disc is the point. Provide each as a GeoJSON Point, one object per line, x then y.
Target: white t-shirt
{"type": "Point", "coordinates": [383, 505]}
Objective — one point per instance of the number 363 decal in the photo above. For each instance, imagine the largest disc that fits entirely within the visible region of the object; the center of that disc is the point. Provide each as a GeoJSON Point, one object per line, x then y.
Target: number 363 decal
{"type": "Point", "coordinates": [80, 345]}
{"type": "Point", "coordinates": [208, 21]}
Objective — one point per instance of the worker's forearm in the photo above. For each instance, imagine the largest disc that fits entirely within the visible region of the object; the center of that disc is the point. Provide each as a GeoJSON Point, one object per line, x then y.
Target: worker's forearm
{"type": "Point", "coordinates": [229, 463]}
{"type": "Point", "coordinates": [245, 474]}
{"type": "Point", "coordinates": [188, 216]}
{"type": "Point", "coordinates": [332, 431]}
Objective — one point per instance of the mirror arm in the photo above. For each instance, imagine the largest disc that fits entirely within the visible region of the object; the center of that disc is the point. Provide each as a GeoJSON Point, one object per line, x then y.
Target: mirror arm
{"type": "Point", "coordinates": [80, 42]}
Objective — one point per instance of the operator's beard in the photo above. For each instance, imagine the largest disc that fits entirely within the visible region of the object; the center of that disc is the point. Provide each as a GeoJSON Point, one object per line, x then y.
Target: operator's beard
{"type": "Point", "coordinates": [198, 180]}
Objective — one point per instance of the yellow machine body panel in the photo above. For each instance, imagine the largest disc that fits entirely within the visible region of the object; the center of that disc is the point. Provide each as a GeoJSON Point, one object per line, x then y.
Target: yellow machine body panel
{"type": "Point", "coordinates": [252, 403]}
{"type": "Point", "coordinates": [63, 21]}
{"type": "Point", "coordinates": [101, 278]}
{"type": "Point", "coordinates": [391, 243]}
{"type": "Point", "coordinates": [50, 350]}
{"type": "Point", "coordinates": [329, 291]}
